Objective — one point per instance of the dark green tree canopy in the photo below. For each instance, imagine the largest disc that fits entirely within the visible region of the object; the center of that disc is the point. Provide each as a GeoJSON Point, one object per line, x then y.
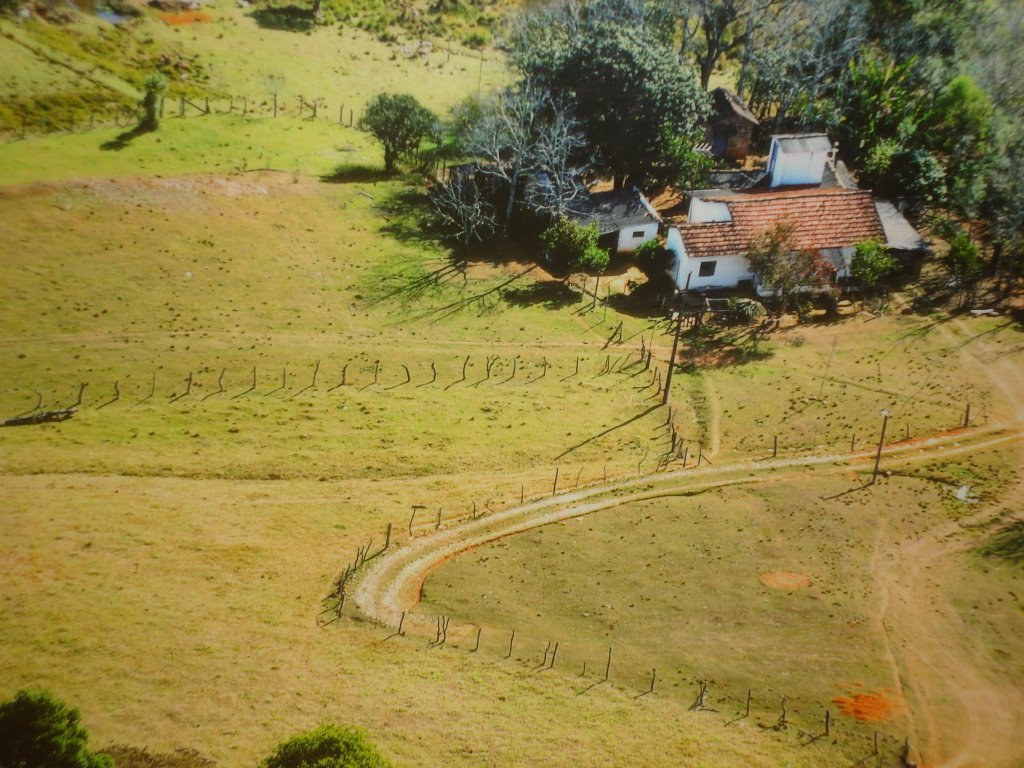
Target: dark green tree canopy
{"type": "Point", "coordinates": [572, 246]}
{"type": "Point", "coordinates": [630, 95]}
{"type": "Point", "coordinates": [38, 731]}
{"type": "Point", "coordinates": [400, 123]}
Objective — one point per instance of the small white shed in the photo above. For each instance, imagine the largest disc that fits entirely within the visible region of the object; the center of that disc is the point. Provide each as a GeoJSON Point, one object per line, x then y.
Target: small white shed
{"type": "Point", "coordinates": [622, 216]}
{"type": "Point", "coordinates": [798, 158]}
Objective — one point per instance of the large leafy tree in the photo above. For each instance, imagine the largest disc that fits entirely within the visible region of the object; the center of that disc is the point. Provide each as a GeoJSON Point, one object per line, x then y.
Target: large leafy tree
{"type": "Point", "coordinates": [629, 93]}
{"type": "Point", "coordinates": [38, 731]}
{"type": "Point", "coordinates": [1003, 206]}
{"type": "Point", "coordinates": [782, 268]}
{"type": "Point", "coordinates": [400, 123]}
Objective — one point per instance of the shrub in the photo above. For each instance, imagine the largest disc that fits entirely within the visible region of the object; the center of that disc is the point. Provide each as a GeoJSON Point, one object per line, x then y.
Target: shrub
{"type": "Point", "coordinates": [872, 261]}
{"type": "Point", "coordinates": [329, 746]}
{"type": "Point", "coordinates": [963, 260]}
{"type": "Point", "coordinates": [574, 246]}
{"type": "Point", "coordinates": [647, 252]}
{"type": "Point", "coordinates": [38, 731]}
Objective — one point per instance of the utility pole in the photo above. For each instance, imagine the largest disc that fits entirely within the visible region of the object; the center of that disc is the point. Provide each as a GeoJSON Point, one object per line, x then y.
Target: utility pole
{"type": "Point", "coordinates": [881, 442]}
{"type": "Point", "coordinates": [675, 344]}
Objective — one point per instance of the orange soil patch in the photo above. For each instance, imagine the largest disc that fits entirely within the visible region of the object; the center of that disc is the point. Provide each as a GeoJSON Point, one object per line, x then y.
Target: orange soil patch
{"type": "Point", "coordinates": [871, 706]}
{"type": "Point", "coordinates": [185, 17]}
{"type": "Point", "coordinates": [785, 580]}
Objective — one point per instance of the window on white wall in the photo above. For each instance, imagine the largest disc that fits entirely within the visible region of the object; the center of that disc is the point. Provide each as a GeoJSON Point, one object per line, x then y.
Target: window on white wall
{"type": "Point", "coordinates": [707, 268]}
{"type": "Point", "coordinates": [639, 233]}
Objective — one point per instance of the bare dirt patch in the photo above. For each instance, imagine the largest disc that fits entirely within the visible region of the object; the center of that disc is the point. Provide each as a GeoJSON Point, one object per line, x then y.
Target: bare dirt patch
{"type": "Point", "coordinates": [185, 17]}
{"type": "Point", "coordinates": [786, 580]}
{"type": "Point", "coordinates": [870, 706]}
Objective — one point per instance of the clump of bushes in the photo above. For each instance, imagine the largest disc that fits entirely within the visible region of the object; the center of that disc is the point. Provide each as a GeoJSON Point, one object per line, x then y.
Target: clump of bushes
{"type": "Point", "coordinates": [329, 746]}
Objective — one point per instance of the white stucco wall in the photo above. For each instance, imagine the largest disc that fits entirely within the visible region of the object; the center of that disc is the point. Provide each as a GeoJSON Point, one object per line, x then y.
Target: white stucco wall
{"type": "Point", "coordinates": [629, 241]}
{"type": "Point", "coordinates": [729, 270]}
{"type": "Point", "coordinates": [703, 211]}
{"type": "Point", "coordinates": [796, 167]}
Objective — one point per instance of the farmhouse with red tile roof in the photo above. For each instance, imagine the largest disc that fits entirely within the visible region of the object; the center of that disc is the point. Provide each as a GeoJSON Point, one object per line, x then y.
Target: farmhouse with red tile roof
{"type": "Point", "coordinates": [804, 187]}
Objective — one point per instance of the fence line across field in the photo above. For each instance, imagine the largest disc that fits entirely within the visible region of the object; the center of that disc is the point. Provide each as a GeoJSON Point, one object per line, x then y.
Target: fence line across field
{"type": "Point", "coordinates": [121, 115]}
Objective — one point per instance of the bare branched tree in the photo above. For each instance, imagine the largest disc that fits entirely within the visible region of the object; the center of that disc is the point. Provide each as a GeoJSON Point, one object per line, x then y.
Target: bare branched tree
{"type": "Point", "coordinates": [524, 138]}
{"type": "Point", "coordinates": [462, 208]}
{"type": "Point", "coordinates": [804, 58]}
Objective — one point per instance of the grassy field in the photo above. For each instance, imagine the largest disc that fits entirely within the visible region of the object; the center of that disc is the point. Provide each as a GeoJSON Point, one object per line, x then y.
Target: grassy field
{"type": "Point", "coordinates": [193, 624]}
{"type": "Point", "coordinates": [675, 584]}
{"type": "Point", "coordinates": [213, 275]}
{"type": "Point", "coordinates": [56, 73]}
{"type": "Point", "coordinates": [280, 359]}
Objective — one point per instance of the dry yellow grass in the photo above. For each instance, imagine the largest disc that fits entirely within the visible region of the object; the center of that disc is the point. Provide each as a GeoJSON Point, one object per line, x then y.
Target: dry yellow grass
{"type": "Point", "coordinates": [164, 563]}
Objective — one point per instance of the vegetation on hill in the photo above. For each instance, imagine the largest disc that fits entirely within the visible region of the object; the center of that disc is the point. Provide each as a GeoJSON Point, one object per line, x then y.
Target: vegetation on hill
{"type": "Point", "coordinates": [329, 746]}
{"type": "Point", "coordinates": [38, 731]}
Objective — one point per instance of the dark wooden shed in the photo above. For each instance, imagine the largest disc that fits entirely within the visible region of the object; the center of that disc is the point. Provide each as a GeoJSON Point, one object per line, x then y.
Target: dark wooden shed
{"type": "Point", "coordinates": [732, 125]}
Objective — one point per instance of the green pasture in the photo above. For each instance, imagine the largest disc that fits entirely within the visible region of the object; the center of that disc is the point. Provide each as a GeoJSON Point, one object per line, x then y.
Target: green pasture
{"type": "Point", "coordinates": [138, 285]}
{"type": "Point", "coordinates": [183, 613]}
{"type": "Point", "coordinates": [672, 587]}
{"type": "Point", "coordinates": [56, 74]}
{"type": "Point", "coordinates": [205, 144]}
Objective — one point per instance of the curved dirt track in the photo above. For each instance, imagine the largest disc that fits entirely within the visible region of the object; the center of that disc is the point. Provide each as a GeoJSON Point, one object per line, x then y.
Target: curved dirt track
{"type": "Point", "coordinates": [962, 716]}
{"type": "Point", "coordinates": [391, 582]}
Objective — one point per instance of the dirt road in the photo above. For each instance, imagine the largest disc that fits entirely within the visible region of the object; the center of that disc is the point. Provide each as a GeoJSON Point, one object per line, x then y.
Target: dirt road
{"type": "Point", "coordinates": [961, 714]}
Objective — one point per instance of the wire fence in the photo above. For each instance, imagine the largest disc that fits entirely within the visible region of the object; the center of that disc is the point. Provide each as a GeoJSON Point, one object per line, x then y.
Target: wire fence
{"type": "Point", "coordinates": [115, 114]}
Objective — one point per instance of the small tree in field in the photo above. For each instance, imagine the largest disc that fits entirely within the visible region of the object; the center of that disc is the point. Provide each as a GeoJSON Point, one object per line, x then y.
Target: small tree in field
{"type": "Point", "coordinates": [871, 262]}
{"type": "Point", "coordinates": [38, 731]}
{"type": "Point", "coordinates": [329, 746]}
{"type": "Point", "coordinates": [963, 263]}
{"type": "Point", "coordinates": [574, 246]}
{"type": "Point", "coordinates": [155, 86]}
{"type": "Point", "coordinates": [400, 123]}
{"type": "Point", "coordinates": [783, 268]}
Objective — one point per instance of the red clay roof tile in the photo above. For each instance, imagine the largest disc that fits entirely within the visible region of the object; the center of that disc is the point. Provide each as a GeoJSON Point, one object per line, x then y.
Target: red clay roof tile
{"type": "Point", "coordinates": [821, 218]}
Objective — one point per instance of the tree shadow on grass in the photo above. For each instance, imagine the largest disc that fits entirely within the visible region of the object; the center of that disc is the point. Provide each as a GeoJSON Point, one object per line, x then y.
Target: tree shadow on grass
{"type": "Point", "coordinates": [289, 18]}
{"type": "Point", "coordinates": [552, 294]}
{"type": "Point", "coordinates": [122, 140]}
{"type": "Point", "coordinates": [349, 174]}
{"type": "Point", "coordinates": [710, 347]}
{"type": "Point", "coordinates": [407, 217]}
